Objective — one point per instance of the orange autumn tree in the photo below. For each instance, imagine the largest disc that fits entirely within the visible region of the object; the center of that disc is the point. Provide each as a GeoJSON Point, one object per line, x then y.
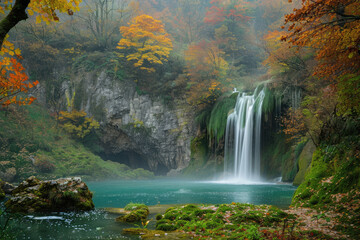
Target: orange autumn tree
{"type": "Point", "coordinates": [207, 69]}
{"type": "Point", "coordinates": [332, 28]}
{"type": "Point", "coordinates": [146, 42]}
{"type": "Point", "coordinates": [13, 79]}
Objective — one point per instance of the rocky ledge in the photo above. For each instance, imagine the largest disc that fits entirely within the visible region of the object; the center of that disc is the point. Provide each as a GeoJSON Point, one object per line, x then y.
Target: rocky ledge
{"type": "Point", "coordinates": [65, 194]}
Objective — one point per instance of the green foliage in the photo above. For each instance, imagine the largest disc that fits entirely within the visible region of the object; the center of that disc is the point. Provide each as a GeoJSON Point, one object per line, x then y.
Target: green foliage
{"type": "Point", "coordinates": [348, 91]}
{"type": "Point", "coordinates": [29, 135]}
{"type": "Point", "coordinates": [100, 61]}
{"type": "Point", "coordinates": [333, 183]}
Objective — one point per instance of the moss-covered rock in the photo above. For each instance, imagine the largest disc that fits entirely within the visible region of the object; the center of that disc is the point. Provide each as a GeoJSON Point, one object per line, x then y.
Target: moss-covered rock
{"type": "Point", "coordinates": [304, 162]}
{"type": "Point", "coordinates": [66, 194]}
{"type": "Point", "coordinates": [139, 212]}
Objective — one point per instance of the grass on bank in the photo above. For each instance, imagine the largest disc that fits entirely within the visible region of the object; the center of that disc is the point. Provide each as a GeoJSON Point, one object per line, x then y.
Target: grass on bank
{"type": "Point", "coordinates": [33, 144]}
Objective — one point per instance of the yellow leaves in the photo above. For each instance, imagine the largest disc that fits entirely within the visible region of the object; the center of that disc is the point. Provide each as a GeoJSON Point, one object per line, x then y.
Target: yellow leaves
{"type": "Point", "coordinates": [146, 41]}
{"type": "Point", "coordinates": [30, 12]}
{"type": "Point", "coordinates": [47, 10]}
{"type": "Point", "coordinates": [17, 51]}
{"type": "Point", "coordinates": [77, 123]}
{"type": "Point", "coordinates": [38, 19]}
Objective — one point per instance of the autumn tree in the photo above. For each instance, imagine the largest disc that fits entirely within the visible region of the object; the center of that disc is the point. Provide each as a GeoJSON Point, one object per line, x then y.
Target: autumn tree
{"type": "Point", "coordinates": [46, 11]}
{"type": "Point", "coordinates": [146, 42]}
{"type": "Point", "coordinates": [75, 122]}
{"type": "Point", "coordinates": [332, 28]}
{"type": "Point", "coordinates": [290, 66]}
{"type": "Point", "coordinates": [206, 69]}
{"type": "Point", "coordinates": [13, 79]}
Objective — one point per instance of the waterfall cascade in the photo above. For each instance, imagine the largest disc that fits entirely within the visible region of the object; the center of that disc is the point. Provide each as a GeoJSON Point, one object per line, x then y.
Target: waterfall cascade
{"type": "Point", "coordinates": [242, 140]}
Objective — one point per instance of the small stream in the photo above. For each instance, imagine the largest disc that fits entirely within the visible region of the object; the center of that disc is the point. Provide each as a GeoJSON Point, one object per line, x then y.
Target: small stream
{"type": "Point", "coordinates": [99, 224]}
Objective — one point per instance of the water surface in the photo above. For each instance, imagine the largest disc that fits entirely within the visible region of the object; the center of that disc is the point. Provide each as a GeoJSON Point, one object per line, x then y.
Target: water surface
{"type": "Point", "coordinates": [152, 192]}
{"type": "Point", "coordinates": [100, 224]}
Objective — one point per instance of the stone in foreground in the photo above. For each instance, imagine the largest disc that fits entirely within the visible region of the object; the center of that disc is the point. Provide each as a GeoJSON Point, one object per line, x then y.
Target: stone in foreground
{"type": "Point", "coordinates": [65, 194]}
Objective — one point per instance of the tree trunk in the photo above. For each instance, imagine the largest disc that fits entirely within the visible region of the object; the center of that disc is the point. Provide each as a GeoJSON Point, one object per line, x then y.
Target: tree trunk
{"type": "Point", "coordinates": [16, 15]}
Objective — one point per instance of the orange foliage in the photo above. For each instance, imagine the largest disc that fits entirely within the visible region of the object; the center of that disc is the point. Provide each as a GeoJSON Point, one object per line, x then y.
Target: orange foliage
{"type": "Point", "coordinates": [332, 28]}
{"type": "Point", "coordinates": [13, 78]}
{"type": "Point", "coordinates": [206, 67]}
{"type": "Point", "coordinates": [294, 124]}
{"type": "Point", "coordinates": [205, 59]}
{"type": "Point", "coordinates": [284, 59]}
{"type": "Point", "coordinates": [147, 42]}
{"type": "Point", "coordinates": [221, 10]}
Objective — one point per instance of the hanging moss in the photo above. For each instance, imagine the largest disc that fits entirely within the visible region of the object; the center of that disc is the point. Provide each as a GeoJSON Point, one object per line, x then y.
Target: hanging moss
{"type": "Point", "coordinates": [269, 101]}
{"type": "Point", "coordinates": [203, 118]}
{"type": "Point", "coordinates": [218, 117]}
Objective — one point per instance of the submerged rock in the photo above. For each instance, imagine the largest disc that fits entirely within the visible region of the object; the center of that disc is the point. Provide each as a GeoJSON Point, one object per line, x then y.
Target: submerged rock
{"type": "Point", "coordinates": [65, 194]}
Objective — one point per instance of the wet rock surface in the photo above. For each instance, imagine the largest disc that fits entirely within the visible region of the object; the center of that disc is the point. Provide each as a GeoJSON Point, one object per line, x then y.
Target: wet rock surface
{"type": "Point", "coordinates": [65, 194]}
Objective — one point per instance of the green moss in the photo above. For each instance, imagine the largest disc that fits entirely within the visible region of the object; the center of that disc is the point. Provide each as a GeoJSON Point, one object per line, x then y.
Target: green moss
{"type": "Point", "coordinates": [139, 212]}
{"type": "Point", "coordinates": [218, 117]}
{"type": "Point", "coordinates": [332, 183]}
{"type": "Point", "coordinates": [158, 216]}
{"type": "Point", "coordinates": [166, 227]}
{"type": "Point", "coordinates": [304, 161]}
{"type": "Point", "coordinates": [199, 156]}
{"type": "Point", "coordinates": [134, 206]}
{"type": "Point", "coordinates": [240, 221]}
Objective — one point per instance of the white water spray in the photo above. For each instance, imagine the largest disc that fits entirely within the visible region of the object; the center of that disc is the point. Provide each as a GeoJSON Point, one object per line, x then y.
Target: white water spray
{"type": "Point", "coordinates": [242, 140]}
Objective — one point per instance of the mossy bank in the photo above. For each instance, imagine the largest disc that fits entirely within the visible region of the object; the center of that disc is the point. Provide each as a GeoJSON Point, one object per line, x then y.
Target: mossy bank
{"type": "Point", "coordinates": [33, 144]}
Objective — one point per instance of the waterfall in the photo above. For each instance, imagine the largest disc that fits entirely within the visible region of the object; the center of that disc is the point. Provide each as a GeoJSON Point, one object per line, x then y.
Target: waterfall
{"type": "Point", "coordinates": [242, 140]}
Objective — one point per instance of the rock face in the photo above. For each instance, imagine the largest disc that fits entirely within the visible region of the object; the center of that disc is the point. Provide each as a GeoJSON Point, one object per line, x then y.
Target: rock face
{"type": "Point", "coordinates": [65, 194]}
{"type": "Point", "coordinates": [304, 162]}
{"type": "Point", "coordinates": [136, 129]}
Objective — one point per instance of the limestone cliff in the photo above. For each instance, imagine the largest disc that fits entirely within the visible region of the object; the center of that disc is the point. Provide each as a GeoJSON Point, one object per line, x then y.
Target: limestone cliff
{"type": "Point", "coordinates": [137, 130]}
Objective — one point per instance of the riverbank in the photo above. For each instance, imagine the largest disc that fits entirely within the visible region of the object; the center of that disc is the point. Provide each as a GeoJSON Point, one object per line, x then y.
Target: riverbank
{"type": "Point", "coordinates": [238, 221]}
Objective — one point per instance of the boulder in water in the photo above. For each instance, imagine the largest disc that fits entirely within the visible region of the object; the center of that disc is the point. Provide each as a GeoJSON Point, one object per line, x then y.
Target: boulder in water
{"type": "Point", "coordinates": [65, 194]}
